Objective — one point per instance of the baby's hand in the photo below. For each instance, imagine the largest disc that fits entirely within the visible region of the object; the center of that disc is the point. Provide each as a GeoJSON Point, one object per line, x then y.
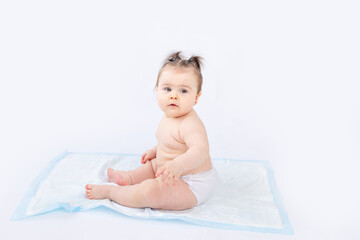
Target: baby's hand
{"type": "Point", "coordinates": [148, 156]}
{"type": "Point", "coordinates": [169, 172]}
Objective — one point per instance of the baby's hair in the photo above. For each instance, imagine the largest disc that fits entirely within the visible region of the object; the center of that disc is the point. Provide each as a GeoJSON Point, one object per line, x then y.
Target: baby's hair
{"type": "Point", "coordinates": [175, 59]}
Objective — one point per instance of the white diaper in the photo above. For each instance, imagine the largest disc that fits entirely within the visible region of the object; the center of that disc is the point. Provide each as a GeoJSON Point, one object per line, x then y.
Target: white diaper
{"type": "Point", "coordinates": [202, 184]}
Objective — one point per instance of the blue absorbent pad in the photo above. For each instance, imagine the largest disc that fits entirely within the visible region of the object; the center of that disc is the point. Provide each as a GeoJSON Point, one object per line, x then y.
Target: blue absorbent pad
{"type": "Point", "coordinates": [246, 197]}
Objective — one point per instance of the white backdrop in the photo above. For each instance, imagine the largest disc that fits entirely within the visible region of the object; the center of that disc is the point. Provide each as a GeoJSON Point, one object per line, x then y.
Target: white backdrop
{"type": "Point", "coordinates": [281, 83]}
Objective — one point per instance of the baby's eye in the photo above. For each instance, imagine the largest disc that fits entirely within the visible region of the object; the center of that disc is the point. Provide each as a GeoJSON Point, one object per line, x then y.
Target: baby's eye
{"type": "Point", "coordinates": [167, 89]}
{"type": "Point", "coordinates": [183, 91]}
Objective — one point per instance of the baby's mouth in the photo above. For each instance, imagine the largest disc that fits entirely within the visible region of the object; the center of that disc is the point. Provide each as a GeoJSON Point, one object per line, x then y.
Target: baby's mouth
{"type": "Point", "coordinates": [173, 105]}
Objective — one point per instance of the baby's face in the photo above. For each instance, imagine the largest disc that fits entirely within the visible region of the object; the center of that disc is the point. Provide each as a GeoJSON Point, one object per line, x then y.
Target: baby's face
{"type": "Point", "coordinates": [177, 91]}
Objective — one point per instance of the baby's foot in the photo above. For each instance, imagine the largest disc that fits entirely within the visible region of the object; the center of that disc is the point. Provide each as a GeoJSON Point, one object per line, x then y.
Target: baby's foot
{"type": "Point", "coordinates": [121, 178]}
{"type": "Point", "coordinates": [97, 191]}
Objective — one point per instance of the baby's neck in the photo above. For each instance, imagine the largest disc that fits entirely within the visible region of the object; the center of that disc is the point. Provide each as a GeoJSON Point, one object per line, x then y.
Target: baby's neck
{"type": "Point", "coordinates": [192, 112]}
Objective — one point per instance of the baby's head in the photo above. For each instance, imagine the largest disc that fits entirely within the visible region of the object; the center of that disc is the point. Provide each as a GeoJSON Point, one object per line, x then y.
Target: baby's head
{"type": "Point", "coordinates": [178, 85]}
{"type": "Point", "coordinates": [175, 62]}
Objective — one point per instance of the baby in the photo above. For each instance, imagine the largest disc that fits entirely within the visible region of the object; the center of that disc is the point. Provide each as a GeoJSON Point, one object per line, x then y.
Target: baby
{"type": "Point", "coordinates": [176, 174]}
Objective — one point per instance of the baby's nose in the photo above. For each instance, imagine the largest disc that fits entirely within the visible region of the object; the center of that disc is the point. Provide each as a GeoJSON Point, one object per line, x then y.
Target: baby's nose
{"type": "Point", "coordinates": [173, 96]}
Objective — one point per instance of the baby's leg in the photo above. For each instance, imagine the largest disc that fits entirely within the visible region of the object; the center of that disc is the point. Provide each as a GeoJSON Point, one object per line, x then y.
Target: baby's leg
{"type": "Point", "coordinates": [152, 193]}
{"type": "Point", "coordinates": [124, 178]}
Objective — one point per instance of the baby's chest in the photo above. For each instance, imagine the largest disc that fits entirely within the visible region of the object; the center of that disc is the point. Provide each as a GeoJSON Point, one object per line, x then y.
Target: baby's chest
{"type": "Point", "coordinates": [169, 136]}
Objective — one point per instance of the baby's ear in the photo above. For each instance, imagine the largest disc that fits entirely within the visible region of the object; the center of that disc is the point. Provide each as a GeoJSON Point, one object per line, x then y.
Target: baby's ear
{"type": "Point", "coordinates": [197, 97]}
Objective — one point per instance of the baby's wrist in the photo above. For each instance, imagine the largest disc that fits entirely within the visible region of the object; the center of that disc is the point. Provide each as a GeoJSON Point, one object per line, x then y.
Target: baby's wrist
{"type": "Point", "coordinates": [153, 150]}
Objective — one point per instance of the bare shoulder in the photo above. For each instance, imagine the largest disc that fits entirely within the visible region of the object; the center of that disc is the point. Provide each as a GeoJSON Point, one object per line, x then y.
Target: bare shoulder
{"type": "Point", "coordinates": [192, 121]}
{"type": "Point", "coordinates": [192, 129]}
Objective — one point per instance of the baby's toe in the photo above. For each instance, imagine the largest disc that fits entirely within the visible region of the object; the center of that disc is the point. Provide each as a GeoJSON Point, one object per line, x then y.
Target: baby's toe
{"type": "Point", "coordinates": [88, 194]}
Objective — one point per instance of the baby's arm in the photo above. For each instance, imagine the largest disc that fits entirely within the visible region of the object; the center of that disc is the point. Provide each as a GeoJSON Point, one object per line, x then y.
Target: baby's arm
{"type": "Point", "coordinates": [194, 135]}
{"type": "Point", "coordinates": [149, 155]}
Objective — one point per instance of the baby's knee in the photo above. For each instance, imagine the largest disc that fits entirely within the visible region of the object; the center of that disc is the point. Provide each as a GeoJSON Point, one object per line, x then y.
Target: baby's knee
{"type": "Point", "coordinates": [151, 192]}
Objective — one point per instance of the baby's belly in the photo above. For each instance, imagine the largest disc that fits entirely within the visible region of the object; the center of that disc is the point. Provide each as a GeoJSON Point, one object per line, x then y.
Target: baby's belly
{"type": "Point", "coordinates": [163, 157]}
